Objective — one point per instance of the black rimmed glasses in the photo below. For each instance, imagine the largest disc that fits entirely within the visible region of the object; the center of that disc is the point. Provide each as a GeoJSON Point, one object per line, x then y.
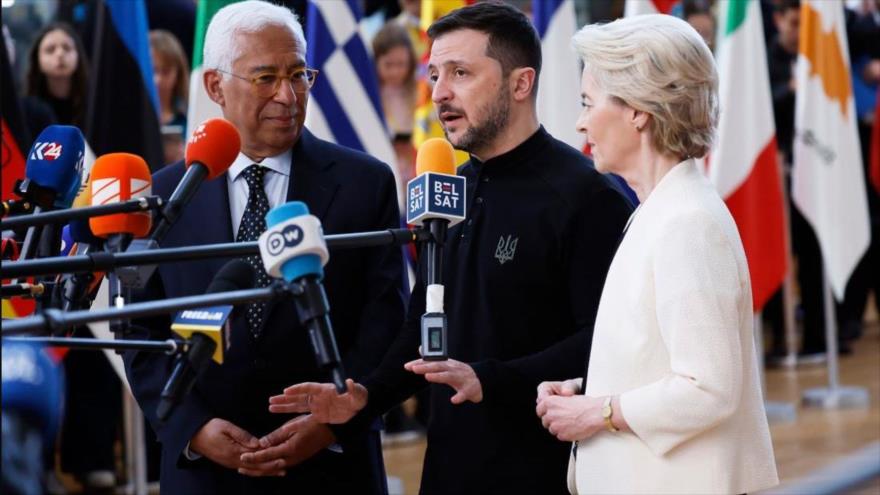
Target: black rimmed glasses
{"type": "Point", "coordinates": [266, 84]}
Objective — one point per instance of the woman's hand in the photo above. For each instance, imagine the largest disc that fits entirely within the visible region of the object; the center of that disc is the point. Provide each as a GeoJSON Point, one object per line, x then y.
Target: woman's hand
{"type": "Point", "coordinates": [571, 418]}
{"type": "Point", "coordinates": [566, 388]}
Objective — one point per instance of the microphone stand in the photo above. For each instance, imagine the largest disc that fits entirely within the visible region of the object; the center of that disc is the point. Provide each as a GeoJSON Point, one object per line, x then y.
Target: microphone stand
{"type": "Point", "coordinates": [108, 261]}
{"type": "Point", "coordinates": [169, 346]}
{"type": "Point", "coordinates": [66, 215]}
{"type": "Point", "coordinates": [53, 320]}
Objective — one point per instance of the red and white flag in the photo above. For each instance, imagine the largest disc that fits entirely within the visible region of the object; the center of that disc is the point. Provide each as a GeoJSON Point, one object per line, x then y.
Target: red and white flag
{"type": "Point", "coordinates": [743, 164]}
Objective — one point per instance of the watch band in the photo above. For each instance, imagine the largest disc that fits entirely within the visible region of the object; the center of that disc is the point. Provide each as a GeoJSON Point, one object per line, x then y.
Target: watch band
{"type": "Point", "coordinates": [607, 413]}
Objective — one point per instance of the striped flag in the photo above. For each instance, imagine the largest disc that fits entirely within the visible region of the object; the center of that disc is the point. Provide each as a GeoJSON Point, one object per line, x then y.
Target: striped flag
{"type": "Point", "coordinates": [559, 86]}
{"type": "Point", "coordinates": [201, 107]}
{"type": "Point", "coordinates": [827, 182]}
{"type": "Point", "coordinates": [638, 7]}
{"type": "Point", "coordinates": [123, 109]}
{"type": "Point", "coordinates": [743, 164]}
{"type": "Point", "coordinates": [344, 106]}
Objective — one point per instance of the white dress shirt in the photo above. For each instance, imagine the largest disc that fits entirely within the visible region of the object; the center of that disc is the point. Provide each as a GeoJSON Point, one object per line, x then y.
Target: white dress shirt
{"type": "Point", "coordinates": [275, 183]}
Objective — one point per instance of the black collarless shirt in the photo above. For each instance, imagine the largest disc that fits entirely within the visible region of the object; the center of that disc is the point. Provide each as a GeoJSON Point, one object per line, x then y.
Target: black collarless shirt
{"type": "Point", "coordinates": [522, 274]}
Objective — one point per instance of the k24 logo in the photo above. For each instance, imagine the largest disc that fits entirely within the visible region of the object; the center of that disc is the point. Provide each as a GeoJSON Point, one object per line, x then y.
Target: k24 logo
{"type": "Point", "coordinates": [45, 151]}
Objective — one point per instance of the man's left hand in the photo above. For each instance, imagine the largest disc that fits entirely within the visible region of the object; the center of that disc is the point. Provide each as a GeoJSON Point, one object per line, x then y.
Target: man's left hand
{"type": "Point", "coordinates": [456, 374]}
{"type": "Point", "coordinates": [292, 443]}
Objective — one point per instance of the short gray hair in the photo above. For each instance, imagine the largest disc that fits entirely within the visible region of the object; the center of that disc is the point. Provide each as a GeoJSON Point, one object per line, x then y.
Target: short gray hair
{"type": "Point", "coordinates": [660, 65]}
{"type": "Point", "coordinates": [251, 16]}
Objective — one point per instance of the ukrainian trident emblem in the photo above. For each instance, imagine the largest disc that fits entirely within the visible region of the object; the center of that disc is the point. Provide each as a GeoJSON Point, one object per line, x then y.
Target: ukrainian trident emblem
{"type": "Point", "coordinates": [506, 249]}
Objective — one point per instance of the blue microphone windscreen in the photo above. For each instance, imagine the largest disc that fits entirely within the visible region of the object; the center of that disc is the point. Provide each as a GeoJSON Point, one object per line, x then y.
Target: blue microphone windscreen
{"type": "Point", "coordinates": [308, 264]}
{"type": "Point", "coordinates": [33, 386]}
{"type": "Point", "coordinates": [55, 161]}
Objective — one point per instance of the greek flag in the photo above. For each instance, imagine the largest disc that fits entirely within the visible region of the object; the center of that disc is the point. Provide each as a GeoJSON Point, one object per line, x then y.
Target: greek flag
{"type": "Point", "coordinates": [344, 106]}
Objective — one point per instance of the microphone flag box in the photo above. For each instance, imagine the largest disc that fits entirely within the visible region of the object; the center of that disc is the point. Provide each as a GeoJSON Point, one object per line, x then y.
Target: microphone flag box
{"type": "Point", "coordinates": [433, 195]}
{"type": "Point", "coordinates": [211, 321]}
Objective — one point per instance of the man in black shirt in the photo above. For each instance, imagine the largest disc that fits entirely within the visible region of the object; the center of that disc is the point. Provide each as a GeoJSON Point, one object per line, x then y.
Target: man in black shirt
{"type": "Point", "coordinates": [523, 273]}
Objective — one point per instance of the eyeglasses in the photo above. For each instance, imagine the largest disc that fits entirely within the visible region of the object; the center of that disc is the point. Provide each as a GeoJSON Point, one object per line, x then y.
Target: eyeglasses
{"type": "Point", "coordinates": [267, 84]}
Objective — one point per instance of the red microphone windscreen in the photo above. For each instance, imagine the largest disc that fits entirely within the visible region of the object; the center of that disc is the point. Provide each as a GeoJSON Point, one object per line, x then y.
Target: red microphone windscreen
{"type": "Point", "coordinates": [215, 143]}
{"type": "Point", "coordinates": [435, 155]}
{"type": "Point", "coordinates": [119, 177]}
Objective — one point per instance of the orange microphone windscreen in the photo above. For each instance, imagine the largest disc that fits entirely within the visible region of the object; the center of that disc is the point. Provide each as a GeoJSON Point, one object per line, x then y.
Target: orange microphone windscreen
{"type": "Point", "coordinates": [119, 177]}
{"type": "Point", "coordinates": [215, 144]}
{"type": "Point", "coordinates": [435, 155]}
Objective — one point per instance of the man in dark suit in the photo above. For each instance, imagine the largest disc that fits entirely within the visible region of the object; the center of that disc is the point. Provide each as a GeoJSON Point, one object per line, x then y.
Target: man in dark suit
{"type": "Point", "coordinates": [255, 55]}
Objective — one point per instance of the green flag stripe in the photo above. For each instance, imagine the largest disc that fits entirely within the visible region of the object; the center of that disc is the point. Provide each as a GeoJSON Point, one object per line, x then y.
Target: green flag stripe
{"type": "Point", "coordinates": [736, 14]}
{"type": "Point", "coordinates": [206, 10]}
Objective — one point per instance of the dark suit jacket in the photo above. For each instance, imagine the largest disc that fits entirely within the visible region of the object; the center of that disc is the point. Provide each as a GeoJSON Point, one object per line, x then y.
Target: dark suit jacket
{"type": "Point", "coordinates": [349, 192]}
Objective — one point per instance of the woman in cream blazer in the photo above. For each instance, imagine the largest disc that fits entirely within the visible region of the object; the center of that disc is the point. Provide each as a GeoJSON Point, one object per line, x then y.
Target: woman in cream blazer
{"type": "Point", "coordinates": [672, 402]}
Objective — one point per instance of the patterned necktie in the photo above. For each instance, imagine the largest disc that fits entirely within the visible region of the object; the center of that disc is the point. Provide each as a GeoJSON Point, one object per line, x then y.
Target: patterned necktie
{"type": "Point", "coordinates": [253, 223]}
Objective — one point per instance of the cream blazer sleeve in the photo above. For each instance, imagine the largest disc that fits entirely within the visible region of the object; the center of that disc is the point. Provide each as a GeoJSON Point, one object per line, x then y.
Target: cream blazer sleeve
{"type": "Point", "coordinates": [698, 295]}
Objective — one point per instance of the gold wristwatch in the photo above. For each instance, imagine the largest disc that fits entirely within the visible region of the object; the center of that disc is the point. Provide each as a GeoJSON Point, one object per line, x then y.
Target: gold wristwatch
{"type": "Point", "coordinates": [607, 412]}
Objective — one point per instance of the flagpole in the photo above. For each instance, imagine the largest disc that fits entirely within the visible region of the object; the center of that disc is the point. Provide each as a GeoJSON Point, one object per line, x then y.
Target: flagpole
{"type": "Point", "coordinates": [834, 396]}
{"type": "Point", "coordinates": [777, 411]}
{"type": "Point", "coordinates": [791, 338]}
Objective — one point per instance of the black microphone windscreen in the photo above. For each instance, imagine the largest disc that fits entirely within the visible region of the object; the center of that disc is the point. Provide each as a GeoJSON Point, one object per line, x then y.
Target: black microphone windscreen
{"type": "Point", "coordinates": [237, 274]}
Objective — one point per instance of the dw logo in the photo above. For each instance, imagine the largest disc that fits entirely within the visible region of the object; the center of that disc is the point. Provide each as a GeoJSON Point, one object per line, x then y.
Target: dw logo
{"type": "Point", "coordinates": [289, 237]}
{"type": "Point", "coordinates": [506, 249]}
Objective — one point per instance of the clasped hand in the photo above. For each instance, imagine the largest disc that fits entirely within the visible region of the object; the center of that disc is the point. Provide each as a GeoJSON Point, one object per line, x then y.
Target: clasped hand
{"type": "Point", "coordinates": [234, 448]}
{"type": "Point", "coordinates": [567, 415]}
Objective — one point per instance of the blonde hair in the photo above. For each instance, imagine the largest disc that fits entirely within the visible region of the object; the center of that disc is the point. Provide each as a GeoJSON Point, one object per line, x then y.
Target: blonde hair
{"type": "Point", "coordinates": [660, 65]}
{"type": "Point", "coordinates": [165, 45]}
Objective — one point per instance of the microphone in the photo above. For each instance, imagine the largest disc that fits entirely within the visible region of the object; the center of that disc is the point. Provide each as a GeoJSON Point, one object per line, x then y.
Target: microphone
{"type": "Point", "coordinates": [213, 147]}
{"type": "Point", "coordinates": [118, 177]}
{"type": "Point", "coordinates": [53, 171]}
{"type": "Point", "coordinates": [207, 330]}
{"type": "Point", "coordinates": [73, 289]}
{"type": "Point", "coordinates": [53, 174]}
{"type": "Point", "coordinates": [80, 231]}
{"type": "Point", "coordinates": [293, 248]}
{"type": "Point", "coordinates": [32, 392]}
{"type": "Point", "coordinates": [436, 200]}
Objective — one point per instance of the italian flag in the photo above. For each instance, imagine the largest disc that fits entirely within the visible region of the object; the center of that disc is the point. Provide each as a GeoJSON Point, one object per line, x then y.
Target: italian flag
{"type": "Point", "coordinates": [201, 108]}
{"type": "Point", "coordinates": [743, 164]}
{"type": "Point", "coordinates": [827, 182]}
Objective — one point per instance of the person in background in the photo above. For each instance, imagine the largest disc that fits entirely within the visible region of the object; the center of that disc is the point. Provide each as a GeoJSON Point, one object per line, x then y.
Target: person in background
{"type": "Point", "coordinates": [410, 18]}
{"type": "Point", "coordinates": [396, 70]}
{"type": "Point", "coordinates": [58, 73]}
{"type": "Point", "coordinates": [171, 77]}
{"type": "Point", "coordinates": [698, 13]}
{"type": "Point", "coordinates": [671, 401]}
